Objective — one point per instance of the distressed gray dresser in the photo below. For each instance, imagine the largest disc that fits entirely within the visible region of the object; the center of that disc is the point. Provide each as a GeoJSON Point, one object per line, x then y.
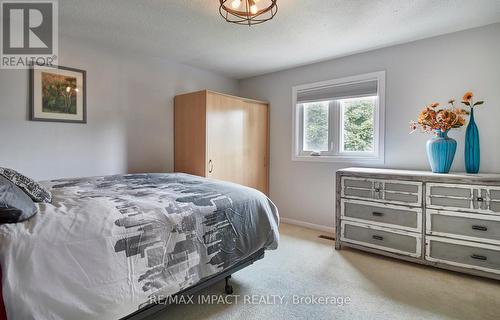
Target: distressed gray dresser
{"type": "Point", "coordinates": [450, 221]}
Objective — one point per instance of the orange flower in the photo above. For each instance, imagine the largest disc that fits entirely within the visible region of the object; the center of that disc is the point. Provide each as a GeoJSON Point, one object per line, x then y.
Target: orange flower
{"type": "Point", "coordinates": [427, 116]}
{"type": "Point", "coordinates": [467, 96]}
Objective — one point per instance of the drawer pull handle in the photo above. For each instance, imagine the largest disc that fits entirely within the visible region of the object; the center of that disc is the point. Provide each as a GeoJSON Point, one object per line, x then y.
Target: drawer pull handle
{"type": "Point", "coordinates": [480, 199]}
{"type": "Point", "coordinates": [377, 189]}
{"type": "Point", "coordinates": [378, 237]}
{"type": "Point", "coordinates": [479, 257]}
{"type": "Point", "coordinates": [378, 214]}
{"type": "Point", "coordinates": [480, 228]}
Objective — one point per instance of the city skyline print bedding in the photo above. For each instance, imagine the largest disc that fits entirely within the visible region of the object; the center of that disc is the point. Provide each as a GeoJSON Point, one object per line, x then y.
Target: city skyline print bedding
{"type": "Point", "coordinates": [107, 246]}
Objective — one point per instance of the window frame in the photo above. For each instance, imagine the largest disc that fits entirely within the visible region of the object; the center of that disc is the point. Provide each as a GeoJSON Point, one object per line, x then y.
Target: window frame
{"type": "Point", "coordinates": [335, 136]}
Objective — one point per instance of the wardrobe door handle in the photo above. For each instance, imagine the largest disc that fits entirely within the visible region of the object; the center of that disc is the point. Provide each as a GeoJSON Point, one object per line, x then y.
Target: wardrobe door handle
{"type": "Point", "coordinates": [479, 257]}
{"type": "Point", "coordinates": [210, 166]}
{"type": "Point", "coordinates": [378, 237]}
{"type": "Point", "coordinates": [480, 228]}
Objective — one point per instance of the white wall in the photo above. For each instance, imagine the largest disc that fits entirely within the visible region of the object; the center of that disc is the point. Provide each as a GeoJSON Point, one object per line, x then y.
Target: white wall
{"type": "Point", "coordinates": [130, 115]}
{"type": "Point", "coordinates": [417, 73]}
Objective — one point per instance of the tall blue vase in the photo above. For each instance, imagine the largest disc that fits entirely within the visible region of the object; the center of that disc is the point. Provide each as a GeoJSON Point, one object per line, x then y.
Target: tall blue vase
{"type": "Point", "coordinates": [472, 151]}
{"type": "Point", "coordinates": [441, 152]}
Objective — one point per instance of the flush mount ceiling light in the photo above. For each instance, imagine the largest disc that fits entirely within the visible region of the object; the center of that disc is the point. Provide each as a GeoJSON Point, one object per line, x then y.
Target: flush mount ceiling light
{"type": "Point", "coordinates": [248, 12]}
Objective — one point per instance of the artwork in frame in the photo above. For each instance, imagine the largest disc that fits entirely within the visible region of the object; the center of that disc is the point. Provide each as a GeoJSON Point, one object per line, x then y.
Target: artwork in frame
{"type": "Point", "coordinates": [58, 94]}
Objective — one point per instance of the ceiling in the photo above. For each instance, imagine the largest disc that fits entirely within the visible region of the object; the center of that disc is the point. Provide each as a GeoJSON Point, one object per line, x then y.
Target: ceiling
{"type": "Point", "coordinates": [303, 32]}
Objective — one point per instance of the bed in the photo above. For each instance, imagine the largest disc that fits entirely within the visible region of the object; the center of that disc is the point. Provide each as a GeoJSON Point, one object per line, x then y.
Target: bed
{"type": "Point", "coordinates": [109, 247]}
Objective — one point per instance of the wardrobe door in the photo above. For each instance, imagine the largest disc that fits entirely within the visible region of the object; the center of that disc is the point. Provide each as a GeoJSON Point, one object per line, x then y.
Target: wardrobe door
{"type": "Point", "coordinates": [190, 133]}
{"type": "Point", "coordinates": [256, 146]}
{"type": "Point", "coordinates": [226, 118]}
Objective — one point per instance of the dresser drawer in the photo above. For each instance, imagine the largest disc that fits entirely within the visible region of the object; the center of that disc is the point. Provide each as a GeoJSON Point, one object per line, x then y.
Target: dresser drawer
{"type": "Point", "coordinates": [398, 192]}
{"type": "Point", "coordinates": [463, 254]}
{"type": "Point", "coordinates": [381, 238]}
{"type": "Point", "coordinates": [382, 214]}
{"type": "Point", "coordinates": [472, 198]}
{"type": "Point", "coordinates": [467, 226]}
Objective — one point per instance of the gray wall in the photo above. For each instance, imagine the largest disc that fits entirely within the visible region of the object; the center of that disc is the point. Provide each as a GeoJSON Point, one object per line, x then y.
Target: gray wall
{"type": "Point", "coordinates": [417, 73]}
{"type": "Point", "coordinates": [130, 115]}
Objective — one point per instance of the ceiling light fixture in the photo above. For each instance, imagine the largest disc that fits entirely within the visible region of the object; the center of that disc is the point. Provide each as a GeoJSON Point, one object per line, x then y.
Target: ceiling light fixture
{"type": "Point", "coordinates": [248, 12]}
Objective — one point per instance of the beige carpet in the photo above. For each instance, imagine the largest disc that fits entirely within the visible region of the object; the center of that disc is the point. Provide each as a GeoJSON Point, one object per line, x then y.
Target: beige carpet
{"type": "Point", "coordinates": [379, 288]}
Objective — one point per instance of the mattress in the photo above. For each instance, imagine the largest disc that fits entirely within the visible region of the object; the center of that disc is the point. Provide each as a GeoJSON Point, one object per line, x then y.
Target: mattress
{"type": "Point", "coordinates": [108, 246]}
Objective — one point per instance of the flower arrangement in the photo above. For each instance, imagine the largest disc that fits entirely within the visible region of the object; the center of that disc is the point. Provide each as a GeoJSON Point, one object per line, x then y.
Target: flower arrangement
{"type": "Point", "coordinates": [432, 118]}
{"type": "Point", "coordinates": [441, 149]}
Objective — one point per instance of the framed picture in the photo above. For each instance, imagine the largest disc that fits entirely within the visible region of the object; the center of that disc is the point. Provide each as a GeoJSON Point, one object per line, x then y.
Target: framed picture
{"type": "Point", "coordinates": [58, 94]}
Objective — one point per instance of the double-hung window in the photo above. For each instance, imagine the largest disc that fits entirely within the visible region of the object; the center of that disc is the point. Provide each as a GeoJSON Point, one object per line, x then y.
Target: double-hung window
{"type": "Point", "coordinates": [340, 120]}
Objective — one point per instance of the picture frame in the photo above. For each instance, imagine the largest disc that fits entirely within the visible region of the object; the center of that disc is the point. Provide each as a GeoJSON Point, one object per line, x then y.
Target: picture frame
{"type": "Point", "coordinates": [58, 94]}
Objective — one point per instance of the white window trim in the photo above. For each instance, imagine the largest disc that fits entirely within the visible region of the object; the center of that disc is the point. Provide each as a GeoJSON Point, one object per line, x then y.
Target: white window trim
{"type": "Point", "coordinates": [377, 157]}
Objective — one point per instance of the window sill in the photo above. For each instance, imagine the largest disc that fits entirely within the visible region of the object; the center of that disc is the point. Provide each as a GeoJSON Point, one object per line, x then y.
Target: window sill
{"type": "Point", "coordinates": [340, 159]}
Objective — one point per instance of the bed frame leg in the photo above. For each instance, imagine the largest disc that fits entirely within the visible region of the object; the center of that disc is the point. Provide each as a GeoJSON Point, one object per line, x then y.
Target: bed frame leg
{"type": "Point", "coordinates": [228, 288]}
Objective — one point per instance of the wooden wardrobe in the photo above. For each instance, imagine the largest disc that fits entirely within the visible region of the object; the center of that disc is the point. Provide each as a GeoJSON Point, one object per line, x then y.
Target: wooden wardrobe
{"type": "Point", "coordinates": [222, 137]}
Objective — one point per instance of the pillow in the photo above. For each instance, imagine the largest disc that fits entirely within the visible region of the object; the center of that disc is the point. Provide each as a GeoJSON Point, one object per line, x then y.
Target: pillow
{"type": "Point", "coordinates": [34, 190]}
{"type": "Point", "coordinates": [15, 205]}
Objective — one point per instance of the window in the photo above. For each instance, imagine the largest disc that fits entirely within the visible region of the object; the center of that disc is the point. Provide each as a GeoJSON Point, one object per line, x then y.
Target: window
{"type": "Point", "coordinates": [316, 126]}
{"type": "Point", "coordinates": [357, 123]}
{"type": "Point", "coordinates": [340, 120]}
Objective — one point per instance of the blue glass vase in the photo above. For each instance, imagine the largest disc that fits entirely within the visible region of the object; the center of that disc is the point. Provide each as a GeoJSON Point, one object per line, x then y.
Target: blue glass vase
{"type": "Point", "coordinates": [472, 152]}
{"type": "Point", "coordinates": [441, 152]}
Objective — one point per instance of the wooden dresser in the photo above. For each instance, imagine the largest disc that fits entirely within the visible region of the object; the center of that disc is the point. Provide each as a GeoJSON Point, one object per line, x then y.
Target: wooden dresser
{"type": "Point", "coordinates": [451, 221]}
{"type": "Point", "coordinates": [222, 137]}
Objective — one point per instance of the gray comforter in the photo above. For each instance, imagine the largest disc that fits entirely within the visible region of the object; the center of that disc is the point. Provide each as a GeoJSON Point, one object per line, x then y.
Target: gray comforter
{"type": "Point", "coordinates": [106, 245]}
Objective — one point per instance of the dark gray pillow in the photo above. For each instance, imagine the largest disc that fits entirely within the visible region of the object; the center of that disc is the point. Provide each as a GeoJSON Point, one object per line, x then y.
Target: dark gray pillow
{"type": "Point", "coordinates": [15, 205]}
{"type": "Point", "coordinates": [33, 189]}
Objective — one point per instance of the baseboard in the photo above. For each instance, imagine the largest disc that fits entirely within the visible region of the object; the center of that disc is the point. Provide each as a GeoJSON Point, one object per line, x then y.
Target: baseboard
{"type": "Point", "coordinates": [308, 225]}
